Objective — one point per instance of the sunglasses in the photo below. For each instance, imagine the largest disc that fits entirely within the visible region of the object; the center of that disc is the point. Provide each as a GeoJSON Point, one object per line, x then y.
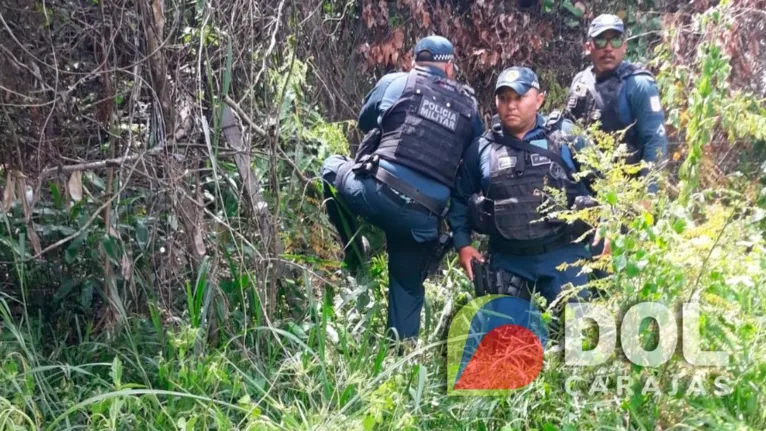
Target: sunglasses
{"type": "Point", "coordinates": [615, 42]}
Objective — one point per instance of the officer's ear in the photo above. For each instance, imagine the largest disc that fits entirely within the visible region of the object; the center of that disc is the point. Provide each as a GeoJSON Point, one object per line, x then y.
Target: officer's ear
{"type": "Point", "coordinates": [588, 47]}
{"type": "Point", "coordinates": [449, 69]}
{"type": "Point", "coordinates": [540, 99]}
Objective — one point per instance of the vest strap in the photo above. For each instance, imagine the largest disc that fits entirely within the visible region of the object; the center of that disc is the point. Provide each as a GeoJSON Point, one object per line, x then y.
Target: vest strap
{"type": "Point", "coordinates": [529, 148]}
{"type": "Point", "coordinates": [396, 183]}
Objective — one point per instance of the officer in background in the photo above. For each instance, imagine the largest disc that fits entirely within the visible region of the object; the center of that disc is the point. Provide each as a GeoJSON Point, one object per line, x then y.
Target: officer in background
{"type": "Point", "coordinates": [502, 185]}
{"type": "Point", "coordinates": [418, 125]}
{"type": "Point", "coordinates": [620, 95]}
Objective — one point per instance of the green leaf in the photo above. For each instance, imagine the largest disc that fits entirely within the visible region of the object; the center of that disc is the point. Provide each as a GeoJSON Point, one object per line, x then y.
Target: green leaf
{"type": "Point", "coordinates": [620, 263]}
{"type": "Point", "coordinates": [116, 371]}
{"type": "Point", "coordinates": [422, 373]}
{"type": "Point", "coordinates": [548, 6]}
{"type": "Point", "coordinates": [368, 423]}
{"type": "Point", "coordinates": [649, 218]}
{"type": "Point", "coordinates": [71, 252]}
{"type": "Point", "coordinates": [110, 248]}
{"type": "Point", "coordinates": [86, 294]}
{"type": "Point", "coordinates": [95, 180]}
{"type": "Point", "coordinates": [142, 234]}
{"type": "Point", "coordinates": [611, 197]}
{"type": "Point", "coordinates": [64, 290]}
{"type": "Point", "coordinates": [56, 193]}
{"type": "Point", "coordinates": [572, 9]}
{"type": "Point", "coordinates": [679, 225]}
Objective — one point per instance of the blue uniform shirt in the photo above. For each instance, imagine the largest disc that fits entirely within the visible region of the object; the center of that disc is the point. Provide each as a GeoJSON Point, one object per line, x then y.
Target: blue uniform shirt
{"type": "Point", "coordinates": [386, 92]}
{"type": "Point", "coordinates": [473, 177]}
{"type": "Point", "coordinates": [639, 101]}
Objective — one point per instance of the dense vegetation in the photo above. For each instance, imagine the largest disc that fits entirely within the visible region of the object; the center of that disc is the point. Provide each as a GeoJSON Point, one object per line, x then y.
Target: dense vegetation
{"type": "Point", "coordinates": [165, 258]}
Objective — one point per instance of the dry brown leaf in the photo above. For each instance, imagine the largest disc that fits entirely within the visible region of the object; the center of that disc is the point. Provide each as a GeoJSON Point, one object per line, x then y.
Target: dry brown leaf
{"type": "Point", "coordinates": [75, 186]}
{"type": "Point", "coordinates": [34, 239]}
{"type": "Point", "coordinates": [199, 243]}
{"type": "Point", "coordinates": [8, 194]}
{"type": "Point", "coordinates": [126, 267]}
{"type": "Point", "coordinates": [398, 37]}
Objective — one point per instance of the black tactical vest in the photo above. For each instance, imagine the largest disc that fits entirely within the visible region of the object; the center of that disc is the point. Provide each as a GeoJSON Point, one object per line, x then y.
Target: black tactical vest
{"type": "Point", "coordinates": [590, 101]}
{"type": "Point", "coordinates": [517, 187]}
{"type": "Point", "coordinates": [430, 125]}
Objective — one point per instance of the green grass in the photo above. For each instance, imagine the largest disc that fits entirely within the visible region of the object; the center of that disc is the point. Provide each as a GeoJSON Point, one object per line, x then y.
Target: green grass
{"type": "Point", "coordinates": [334, 371]}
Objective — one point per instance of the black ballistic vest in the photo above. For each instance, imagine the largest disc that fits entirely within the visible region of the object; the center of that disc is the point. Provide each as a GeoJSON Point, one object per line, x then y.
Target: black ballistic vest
{"type": "Point", "coordinates": [591, 101]}
{"type": "Point", "coordinates": [517, 187]}
{"type": "Point", "coordinates": [430, 125]}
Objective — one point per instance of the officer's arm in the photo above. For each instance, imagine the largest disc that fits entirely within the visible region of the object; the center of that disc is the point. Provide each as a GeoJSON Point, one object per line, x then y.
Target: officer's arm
{"type": "Point", "coordinates": [478, 126]}
{"type": "Point", "coordinates": [368, 116]}
{"type": "Point", "coordinates": [577, 140]}
{"type": "Point", "coordinates": [467, 183]}
{"type": "Point", "coordinates": [571, 98]}
{"type": "Point", "coordinates": [644, 100]}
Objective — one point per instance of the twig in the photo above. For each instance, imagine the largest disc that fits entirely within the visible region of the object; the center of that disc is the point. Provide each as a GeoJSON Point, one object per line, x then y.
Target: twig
{"type": "Point", "coordinates": [262, 133]}
{"type": "Point", "coordinates": [115, 163]}
{"type": "Point", "coordinates": [229, 101]}
{"type": "Point", "coordinates": [272, 43]}
{"type": "Point", "coordinates": [91, 219]}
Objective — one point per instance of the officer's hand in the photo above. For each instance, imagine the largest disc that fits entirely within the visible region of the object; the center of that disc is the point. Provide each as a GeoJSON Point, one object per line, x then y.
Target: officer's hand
{"type": "Point", "coordinates": [467, 254]}
{"type": "Point", "coordinates": [607, 244]}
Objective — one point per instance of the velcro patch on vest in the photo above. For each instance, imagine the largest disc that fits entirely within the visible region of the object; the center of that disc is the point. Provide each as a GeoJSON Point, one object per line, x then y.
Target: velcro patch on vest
{"type": "Point", "coordinates": [506, 162]}
{"type": "Point", "coordinates": [438, 113]}
{"type": "Point", "coordinates": [580, 89]}
{"type": "Point", "coordinates": [557, 172]}
{"type": "Point", "coordinates": [538, 160]}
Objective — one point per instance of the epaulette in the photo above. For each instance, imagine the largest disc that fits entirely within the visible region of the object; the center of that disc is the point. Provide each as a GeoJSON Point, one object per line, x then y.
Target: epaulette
{"type": "Point", "coordinates": [553, 120]}
{"type": "Point", "coordinates": [631, 69]}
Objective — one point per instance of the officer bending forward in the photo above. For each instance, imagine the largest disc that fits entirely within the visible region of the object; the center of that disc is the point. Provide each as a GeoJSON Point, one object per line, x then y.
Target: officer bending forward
{"type": "Point", "coordinates": [426, 120]}
{"type": "Point", "coordinates": [502, 182]}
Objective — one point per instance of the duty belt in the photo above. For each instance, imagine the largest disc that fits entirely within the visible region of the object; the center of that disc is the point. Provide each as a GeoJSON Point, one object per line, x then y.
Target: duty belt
{"type": "Point", "coordinates": [369, 164]}
{"type": "Point", "coordinates": [507, 247]}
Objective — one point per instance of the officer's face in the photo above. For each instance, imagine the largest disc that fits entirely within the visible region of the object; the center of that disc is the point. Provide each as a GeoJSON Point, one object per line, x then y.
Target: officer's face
{"type": "Point", "coordinates": [602, 52]}
{"type": "Point", "coordinates": [517, 112]}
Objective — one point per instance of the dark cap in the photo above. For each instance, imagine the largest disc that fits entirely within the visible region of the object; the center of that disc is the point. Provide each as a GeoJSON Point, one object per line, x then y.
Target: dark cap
{"type": "Point", "coordinates": [605, 22]}
{"type": "Point", "coordinates": [520, 79]}
{"type": "Point", "coordinates": [434, 48]}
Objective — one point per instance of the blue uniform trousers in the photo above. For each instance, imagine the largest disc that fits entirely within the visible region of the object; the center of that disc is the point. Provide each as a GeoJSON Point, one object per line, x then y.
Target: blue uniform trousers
{"type": "Point", "coordinates": [540, 269]}
{"type": "Point", "coordinates": [410, 238]}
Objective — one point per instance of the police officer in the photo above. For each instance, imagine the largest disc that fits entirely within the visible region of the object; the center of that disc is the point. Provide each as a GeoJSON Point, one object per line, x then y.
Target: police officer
{"type": "Point", "coordinates": [620, 95]}
{"type": "Point", "coordinates": [504, 177]}
{"type": "Point", "coordinates": [424, 121]}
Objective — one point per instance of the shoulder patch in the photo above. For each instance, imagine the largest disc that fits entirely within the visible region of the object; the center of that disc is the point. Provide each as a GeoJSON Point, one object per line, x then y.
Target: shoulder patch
{"type": "Point", "coordinates": [654, 102]}
{"type": "Point", "coordinates": [579, 89]}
